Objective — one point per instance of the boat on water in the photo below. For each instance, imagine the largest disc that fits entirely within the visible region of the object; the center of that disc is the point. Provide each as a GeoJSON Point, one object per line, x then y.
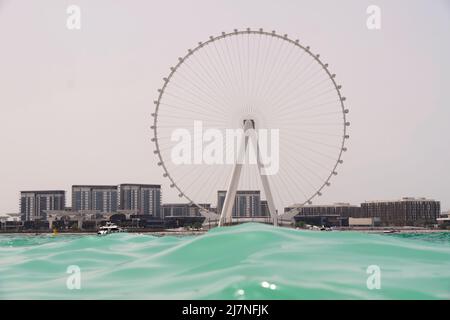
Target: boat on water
{"type": "Point", "coordinates": [391, 231]}
{"type": "Point", "coordinates": [108, 228]}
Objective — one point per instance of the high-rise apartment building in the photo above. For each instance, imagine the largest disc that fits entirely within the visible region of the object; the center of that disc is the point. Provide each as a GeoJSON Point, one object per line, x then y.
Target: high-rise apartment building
{"type": "Point", "coordinates": [92, 197]}
{"type": "Point", "coordinates": [265, 212]}
{"type": "Point", "coordinates": [180, 210]}
{"type": "Point", "coordinates": [144, 199]}
{"type": "Point", "coordinates": [34, 204]}
{"type": "Point", "coordinates": [246, 204]}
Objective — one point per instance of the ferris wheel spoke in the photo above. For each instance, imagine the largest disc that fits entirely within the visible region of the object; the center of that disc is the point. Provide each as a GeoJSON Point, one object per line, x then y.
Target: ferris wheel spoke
{"type": "Point", "coordinates": [280, 107]}
{"type": "Point", "coordinates": [287, 77]}
{"type": "Point", "coordinates": [193, 172]}
{"type": "Point", "coordinates": [329, 114]}
{"type": "Point", "coordinates": [291, 181]}
{"type": "Point", "coordinates": [281, 74]}
{"type": "Point", "coordinates": [318, 84]}
{"type": "Point", "coordinates": [220, 90]}
{"type": "Point", "coordinates": [266, 83]}
{"type": "Point", "coordinates": [244, 61]}
{"type": "Point", "coordinates": [311, 171]}
{"type": "Point", "coordinates": [233, 68]}
{"type": "Point", "coordinates": [238, 55]}
{"type": "Point", "coordinates": [185, 111]}
{"type": "Point", "coordinates": [302, 177]}
{"type": "Point", "coordinates": [304, 147]}
{"type": "Point", "coordinates": [280, 184]}
{"type": "Point", "coordinates": [259, 72]}
{"type": "Point", "coordinates": [212, 97]}
{"type": "Point", "coordinates": [314, 95]}
{"type": "Point", "coordinates": [317, 164]}
{"type": "Point", "coordinates": [215, 175]}
{"type": "Point", "coordinates": [197, 177]}
{"type": "Point", "coordinates": [311, 124]}
{"type": "Point", "coordinates": [211, 104]}
{"type": "Point", "coordinates": [255, 68]}
{"type": "Point", "coordinates": [202, 82]}
{"type": "Point", "coordinates": [306, 108]}
{"type": "Point", "coordinates": [263, 70]}
{"type": "Point", "coordinates": [208, 71]}
{"type": "Point", "coordinates": [301, 144]}
{"type": "Point", "coordinates": [249, 64]}
{"type": "Point", "coordinates": [192, 118]}
{"type": "Point", "coordinates": [314, 73]}
{"type": "Point", "coordinates": [296, 94]}
{"type": "Point", "coordinates": [271, 69]}
{"type": "Point", "coordinates": [197, 106]}
{"type": "Point", "coordinates": [226, 83]}
{"type": "Point", "coordinates": [320, 133]}
{"type": "Point", "coordinates": [294, 87]}
{"type": "Point", "coordinates": [319, 143]}
{"type": "Point", "coordinates": [232, 84]}
{"type": "Point", "coordinates": [292, 84]}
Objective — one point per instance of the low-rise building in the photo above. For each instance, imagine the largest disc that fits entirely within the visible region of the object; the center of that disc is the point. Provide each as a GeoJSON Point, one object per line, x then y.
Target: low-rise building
{"type": "Point", "coordinates": [444, 219]}
{"type": "Point", "coordinates": [363, 222]}
{"type": "Point", "coordinates": [404, 212]}
{"type": "Point", "coordinates": [11, 222]}
{"type": "Point", "coordinates": [180, 210]}
{"type": "Point", "coordinates": [340, 209]}
{"type": "Point", "coordinates": [326, 220]}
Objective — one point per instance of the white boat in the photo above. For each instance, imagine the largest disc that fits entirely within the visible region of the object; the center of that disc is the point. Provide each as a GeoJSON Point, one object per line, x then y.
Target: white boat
{"type": "Point", "coordinates": [109, 228]}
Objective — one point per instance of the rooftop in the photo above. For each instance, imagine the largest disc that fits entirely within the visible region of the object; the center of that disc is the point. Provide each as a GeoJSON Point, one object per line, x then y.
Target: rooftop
{"type": "Point", "coordinates": [404, 199]}
{"type": "Point", "coordinates": [95, 186]}
{"type": "Point", "coordinates": [45, 191]}
{"type": "Point", "coordinates": [242, 191]}
{"type": "Point", "coordinates": [140, 185]}
{"type": "Point", "coordinates": [334, 205]}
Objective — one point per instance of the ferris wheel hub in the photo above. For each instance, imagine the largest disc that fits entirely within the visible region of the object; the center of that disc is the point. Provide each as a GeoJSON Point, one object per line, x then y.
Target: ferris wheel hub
{"type": "Point", "coordinates": [252, 122]}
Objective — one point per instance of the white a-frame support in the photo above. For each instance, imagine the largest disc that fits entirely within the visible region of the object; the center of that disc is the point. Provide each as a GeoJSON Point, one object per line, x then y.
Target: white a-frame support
{"type": "Point", "coordinates": [227, 209]}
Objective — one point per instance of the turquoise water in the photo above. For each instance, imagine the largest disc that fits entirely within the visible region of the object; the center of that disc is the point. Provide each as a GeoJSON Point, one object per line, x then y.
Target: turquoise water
{"type": "Point", "coordinates": [249, 261]}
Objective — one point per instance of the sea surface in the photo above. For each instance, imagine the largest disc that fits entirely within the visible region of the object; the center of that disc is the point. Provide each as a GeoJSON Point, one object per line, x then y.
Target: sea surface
{"type": "Point", "coordinates": [248, 261]}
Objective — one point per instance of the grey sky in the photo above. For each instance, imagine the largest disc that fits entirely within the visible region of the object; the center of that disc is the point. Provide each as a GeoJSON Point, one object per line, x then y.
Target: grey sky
{"type": "Point", "coordinates": [75, 105]}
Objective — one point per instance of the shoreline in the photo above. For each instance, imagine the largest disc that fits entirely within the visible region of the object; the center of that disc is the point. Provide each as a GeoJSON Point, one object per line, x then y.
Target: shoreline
{"type": "Point", "coordinates": [86, 233]}
{"type": "Point", "coordinates": [381, 230]}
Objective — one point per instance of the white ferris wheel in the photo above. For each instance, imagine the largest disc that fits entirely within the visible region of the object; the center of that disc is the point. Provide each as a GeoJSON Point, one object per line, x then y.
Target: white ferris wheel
{"type": "Point", "coordinates": [254, 81]}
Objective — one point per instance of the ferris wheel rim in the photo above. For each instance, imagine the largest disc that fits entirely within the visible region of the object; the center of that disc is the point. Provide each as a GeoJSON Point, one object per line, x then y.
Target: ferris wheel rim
{"type": "Point", "coordinates": [237, 32]}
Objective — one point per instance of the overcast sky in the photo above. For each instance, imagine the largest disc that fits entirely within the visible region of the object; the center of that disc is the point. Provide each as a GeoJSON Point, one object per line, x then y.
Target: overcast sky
{"type": "Point", "coordinates": [75, 105]}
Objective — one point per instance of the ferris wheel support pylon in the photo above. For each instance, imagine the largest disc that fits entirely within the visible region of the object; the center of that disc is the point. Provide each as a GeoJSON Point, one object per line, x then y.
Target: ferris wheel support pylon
{"type": "Point", "coordinates": [226, 215]}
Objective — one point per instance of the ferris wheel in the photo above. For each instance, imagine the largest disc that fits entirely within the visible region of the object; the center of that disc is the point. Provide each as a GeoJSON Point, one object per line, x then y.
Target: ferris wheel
{"type": "Point", "coordinates": [254, 81]}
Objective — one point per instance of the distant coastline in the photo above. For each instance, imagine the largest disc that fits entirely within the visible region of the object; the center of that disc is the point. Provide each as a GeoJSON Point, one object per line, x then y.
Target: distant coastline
{"type": "Point", "coordinates": [168, 232]}
{"type": "Point", "coordinates": [71, 232]}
